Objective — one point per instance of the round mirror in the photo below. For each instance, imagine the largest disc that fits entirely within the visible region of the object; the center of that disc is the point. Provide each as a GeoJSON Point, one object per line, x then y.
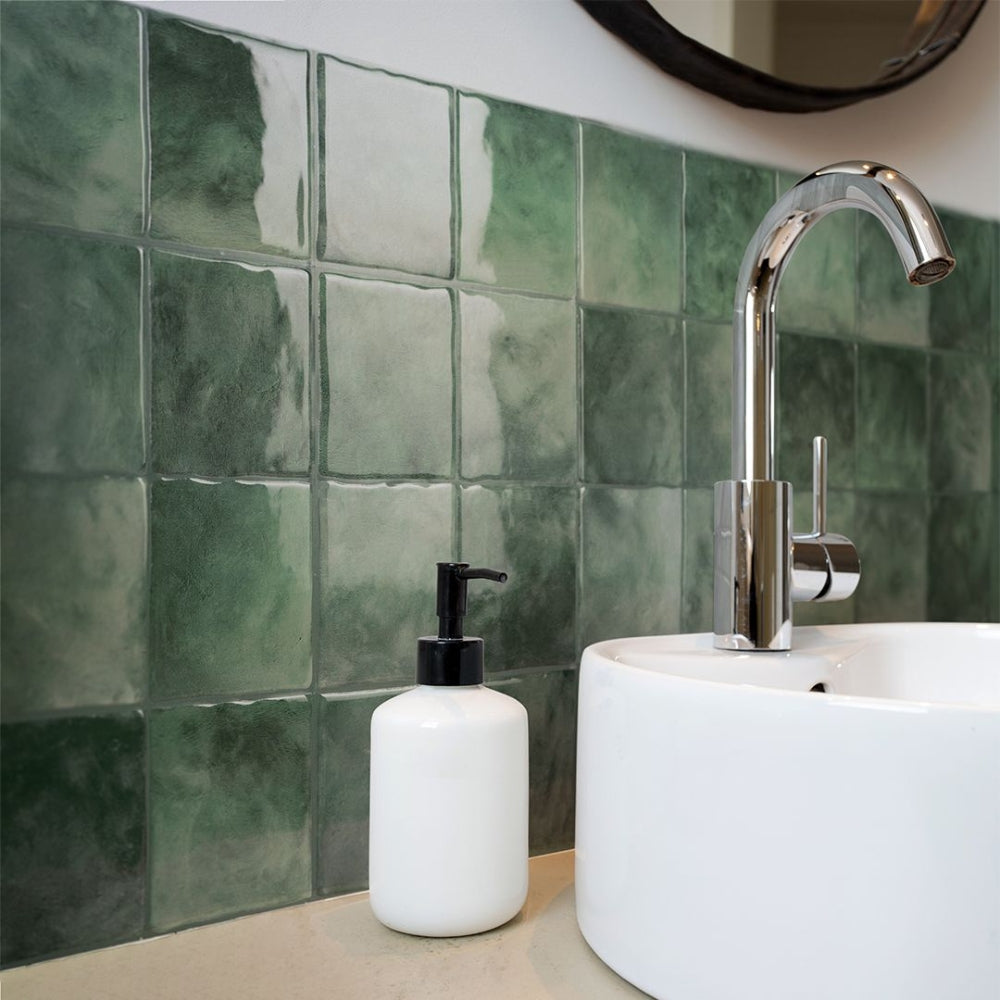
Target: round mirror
{"type": "Point", "coordinates": [790, 55]}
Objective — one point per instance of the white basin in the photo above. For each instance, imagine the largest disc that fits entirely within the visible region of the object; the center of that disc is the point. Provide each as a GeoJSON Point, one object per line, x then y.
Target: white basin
{"type": "Point", "coordinates": [739, 836]}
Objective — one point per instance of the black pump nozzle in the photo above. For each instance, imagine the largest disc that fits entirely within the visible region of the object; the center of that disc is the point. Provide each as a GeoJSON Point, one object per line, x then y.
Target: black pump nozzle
{"type": "Point", "coordinates": [450, 658]}
{"type": "Point", "coordinates": [453, 595]}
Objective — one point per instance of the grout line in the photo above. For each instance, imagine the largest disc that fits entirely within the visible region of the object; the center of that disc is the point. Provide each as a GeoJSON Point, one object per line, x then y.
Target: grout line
{"type": "Point", "coordinates": [683, 226]}
{"type": "Point", "coordinates": [578, 249]}
{"type": "Point", "coordinates": [316, 456]}
{"type": "Point", "coordinates": [457, 329]}
{"type": "Point", "coordinates": [145, 126]}
{"type": "Point", "coordinates": [146, 396]}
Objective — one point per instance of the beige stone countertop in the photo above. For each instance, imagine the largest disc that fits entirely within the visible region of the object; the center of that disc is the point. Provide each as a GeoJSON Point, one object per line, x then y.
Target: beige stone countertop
{"type": "Point", "coordinates": [335, 949]}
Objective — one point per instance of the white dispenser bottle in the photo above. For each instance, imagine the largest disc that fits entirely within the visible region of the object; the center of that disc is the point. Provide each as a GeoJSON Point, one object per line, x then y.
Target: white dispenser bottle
{"type": "Point", "coordinates": [448, 848]}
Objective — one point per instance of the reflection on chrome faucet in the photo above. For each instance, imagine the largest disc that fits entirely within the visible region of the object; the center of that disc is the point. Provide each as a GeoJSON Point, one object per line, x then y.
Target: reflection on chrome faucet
{"type": "Point", "coordinates": [760, 566]}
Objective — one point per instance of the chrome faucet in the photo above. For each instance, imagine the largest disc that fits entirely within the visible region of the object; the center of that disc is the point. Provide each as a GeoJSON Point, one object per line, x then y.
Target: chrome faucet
{"type": "Point", "coordinates": [760, 565]}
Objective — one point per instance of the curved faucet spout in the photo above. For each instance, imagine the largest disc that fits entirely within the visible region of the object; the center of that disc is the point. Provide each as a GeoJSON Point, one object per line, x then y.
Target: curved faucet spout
{"type": "Point", "coordinates": [871, 187]}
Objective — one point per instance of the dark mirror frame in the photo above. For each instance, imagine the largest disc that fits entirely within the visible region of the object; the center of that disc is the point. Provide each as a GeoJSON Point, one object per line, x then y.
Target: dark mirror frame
{"type": "Point", "coordinates": [639, 25]}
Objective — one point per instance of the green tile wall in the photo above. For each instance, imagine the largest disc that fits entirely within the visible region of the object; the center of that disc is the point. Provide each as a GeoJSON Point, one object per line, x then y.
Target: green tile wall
{"type": "Point", "coordinates": [280, 332]}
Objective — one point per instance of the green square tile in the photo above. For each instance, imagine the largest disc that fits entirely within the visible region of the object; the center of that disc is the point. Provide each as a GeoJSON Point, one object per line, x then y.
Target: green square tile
{"type": "Point", "coordinates": [963, 572]}
{"type": "Point", "coordinates": [71, 376]}
{"type": "Point", "coordinates": [386, 379]}
{"type": "Point", "coordinates": [633, 397]}
{"type": "Point", "coordinates": [961, 306]}
{"type": "Point", "coordinates": [632, 201]}
{"type": "Point", "coordinates": [816, 389]}
{"type": "Point", "coordinates": [230, 364]}
{"type": "Point", "coordinates": [890, 309]}
{"type": "Point", "coordinates": [71, 135]}
{"type": "Point", "coordinates": [632, 549]}
{"type": "Point", "coordinates": [386, 182]}
{"type": "Point", "coordinates": [724, 203]}
{"type": "Point", "coordinates": [891, 437]}
{"type": "Point", "coordinates": [518, 387]}
{"type": "Point", "coordinates": [818, 284]}
{"type": "Point", "coordinates": [379, 547]}
{"type": "Point", "coordinates": [892, 541]}
{"type": "Point", "coordinates": [550, 700]}
{"type": "Point", "coordinates": [708, 352]}
{"type": "Point", "coordinates": [229, 810]}
{"type": "Point", "coordinates": [698, 577]}
{"type": "Point", "coordinates": [230, 606]}
{"type": "Point", "coordinates": [74, 607]}
{"type": "Point", "coordinates": [344, 775]}
{"type": "Point", "coordinates": [517, 175]}
{"type": "Point", "coordinates": [228, 120]}
{"type": "Point", "coordinates": [963, 407]}
{"type": "Point", "coordinates": [73, 830]}
{"type": "Point", "coordinates": [529, 532]}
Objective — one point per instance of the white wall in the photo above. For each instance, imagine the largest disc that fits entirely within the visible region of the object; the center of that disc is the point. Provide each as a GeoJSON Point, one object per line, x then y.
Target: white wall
{"type": "Point", "coordinates": [943, 131]}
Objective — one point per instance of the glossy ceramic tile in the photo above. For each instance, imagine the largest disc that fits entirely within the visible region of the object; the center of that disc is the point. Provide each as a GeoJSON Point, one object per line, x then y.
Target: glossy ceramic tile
{"type": "Point", "coordinates": [517, 180]}
{"type": "Point", "coordinates": [378, 549]}
{"type": "Point", "coordinates": [631, 217]}
{"type": "Point", "coordinates": [698, 576]}
{"type": "Point", "coordinates": [386, 149]}
{"type": "Point", "coordinates": [231, 594]}
{"type": "Point", "coordinates": [816, 392]}
{"type": "Point", "coordinates": [518, 387]}
{"type": "Point", "coordinates": [74, 609]}
{"type": "Point", "coordinates": [550, 700]}
{"type": "Point", "coordinates": [963, 574]}
{"type": "Point", "coordinates": [818, 285]}
{"type": "Point", "coordinates": [708, 354]}
{"type": "Point", "coordinates": [344, 772]}
{"type": "Point", "coordinates": [71, 379]}
{"type": "Point", "coordinates": [229, 810]}
{"type": "Point", "coordinates": [633, 398]}
{"type": "Point", "coordinates": [891, 533]}
{"type": "Point", "coordinates": [963, 407]}
{"type": "Point", "coordinates": [531, 534]}
{"type": "Point", "coordinates": [386, 379]}
{"type": "Point", "coordinates": [892, 419]}
{"type": "Point", "coordinates": [724, 202]}
{"type": "Point", "coordinates": [230, 356]}
{"type": "Point", "coordinates": [228, 118]}
{"type": "Point", "coordinates": [890, 309]}
{"type": "Point", "coordinates": [961, 317]}
{"type": "Point", "coordinates": [631, 562]}
{"type": "Point", "coordinates": [71, 136]}
{"type": "Point", "coordinates": [73, 806]}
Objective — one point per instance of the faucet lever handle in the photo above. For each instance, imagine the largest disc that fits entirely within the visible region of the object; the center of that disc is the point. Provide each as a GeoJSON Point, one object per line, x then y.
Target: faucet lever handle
{"type": "Point", "coordinates": [825, 567]}
{"type": "Point", "coordinates": [819, 485]}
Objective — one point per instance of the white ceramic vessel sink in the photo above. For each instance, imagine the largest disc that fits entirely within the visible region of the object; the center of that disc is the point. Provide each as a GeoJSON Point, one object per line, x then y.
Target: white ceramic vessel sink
{"type": "Point", "coordinates": [740, 836]}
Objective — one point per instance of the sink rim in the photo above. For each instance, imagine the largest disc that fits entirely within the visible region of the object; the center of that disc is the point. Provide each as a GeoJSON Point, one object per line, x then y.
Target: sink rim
{"type": "Point", "coordinates": [816, 646]}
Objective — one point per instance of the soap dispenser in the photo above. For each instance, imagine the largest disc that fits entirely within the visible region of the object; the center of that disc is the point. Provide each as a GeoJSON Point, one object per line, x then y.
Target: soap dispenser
{"type": "Point", "coordinates": [448, 847]}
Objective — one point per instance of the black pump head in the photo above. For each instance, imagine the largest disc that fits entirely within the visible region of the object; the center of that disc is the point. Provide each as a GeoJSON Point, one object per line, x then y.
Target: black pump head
{"type": "Point", "coordinates": [450, 658]}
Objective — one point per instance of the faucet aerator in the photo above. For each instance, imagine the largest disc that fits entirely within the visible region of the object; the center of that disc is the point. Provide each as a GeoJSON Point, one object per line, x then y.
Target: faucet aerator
{"type": "Point", "coordinates": [931, 271]}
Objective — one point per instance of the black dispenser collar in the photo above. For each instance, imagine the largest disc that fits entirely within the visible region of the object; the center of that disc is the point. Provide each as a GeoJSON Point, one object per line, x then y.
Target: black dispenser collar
{"type": "Point", "coordinates": [450, 658]}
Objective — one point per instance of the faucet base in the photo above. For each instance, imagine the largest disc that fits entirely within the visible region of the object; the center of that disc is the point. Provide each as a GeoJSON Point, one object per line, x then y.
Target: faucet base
{"type": "Point", "coordinates": [753, 564]}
